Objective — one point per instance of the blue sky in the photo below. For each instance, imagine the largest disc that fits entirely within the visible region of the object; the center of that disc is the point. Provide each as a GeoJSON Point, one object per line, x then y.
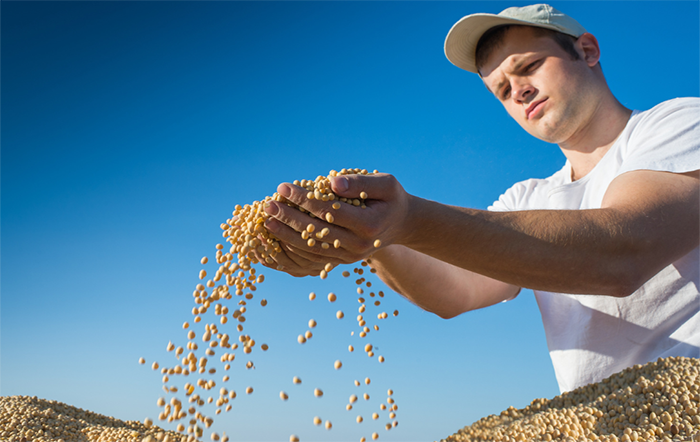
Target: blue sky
{"type": "Point", "coordinates": [130, 130]}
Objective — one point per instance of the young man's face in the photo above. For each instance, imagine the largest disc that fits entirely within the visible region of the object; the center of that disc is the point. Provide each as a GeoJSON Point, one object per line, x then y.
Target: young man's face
{"type": "Point", "coordinates": [550, 95]}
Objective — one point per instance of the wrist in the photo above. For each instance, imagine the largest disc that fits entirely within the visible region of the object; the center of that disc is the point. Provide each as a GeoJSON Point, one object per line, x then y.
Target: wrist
{"type": "Point", "coordinates": [408, 228]}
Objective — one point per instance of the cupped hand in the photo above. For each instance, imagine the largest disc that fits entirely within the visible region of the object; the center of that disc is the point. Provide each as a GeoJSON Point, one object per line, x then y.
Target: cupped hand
{"type": "Point", "coordinates": [354, 232]}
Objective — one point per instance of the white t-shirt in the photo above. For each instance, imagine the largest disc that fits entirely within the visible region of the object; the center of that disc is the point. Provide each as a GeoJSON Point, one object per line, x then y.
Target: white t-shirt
{"type": "Point", "coordinates": [591, 337]}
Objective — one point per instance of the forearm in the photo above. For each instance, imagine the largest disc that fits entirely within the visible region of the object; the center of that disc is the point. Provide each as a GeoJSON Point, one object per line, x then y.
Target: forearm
{"type": "Point", "coordinates": [583, 251]}
{"type": "Point", "coordinates": [435, 285]}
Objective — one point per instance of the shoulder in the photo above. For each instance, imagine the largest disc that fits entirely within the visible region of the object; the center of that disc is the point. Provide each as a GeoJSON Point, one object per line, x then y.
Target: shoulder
{"type": "Point", "coordinates": [681, 102]}
{"type": "Point", "coordinates": [683, 109]}
{"type": "Point", "coordinates": [532, 193]}
{"type": "Point", "coordinates": [665, 138]}
{"type": "Point", "coordinates": [672, 120]}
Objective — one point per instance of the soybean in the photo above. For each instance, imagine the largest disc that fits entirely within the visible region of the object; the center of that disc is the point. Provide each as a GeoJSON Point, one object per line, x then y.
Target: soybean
{"type": "Point", "coordinates": [655, 401]}
{"type": "Point", "coordinates": [250, 243]}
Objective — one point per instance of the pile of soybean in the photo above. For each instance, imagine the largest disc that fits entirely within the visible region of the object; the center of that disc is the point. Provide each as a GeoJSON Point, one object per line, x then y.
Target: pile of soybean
{"type": "Point", "coordinates": [658, 401]}
{"type": "Point", "coordinates": [30, 419]}
{"type": "Point", "coordinates": [223, 304]}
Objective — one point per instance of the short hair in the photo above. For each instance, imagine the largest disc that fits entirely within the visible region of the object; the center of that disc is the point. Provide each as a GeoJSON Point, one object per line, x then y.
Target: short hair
{"type": "Point", "coordinates": [493, 38]}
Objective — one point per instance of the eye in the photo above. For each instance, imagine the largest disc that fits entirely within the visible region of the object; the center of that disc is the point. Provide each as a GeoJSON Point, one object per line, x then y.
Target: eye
{"type": "Point", "coordinates": [531, 67]}
{"type": "Point", "coordinates": [505, 93]}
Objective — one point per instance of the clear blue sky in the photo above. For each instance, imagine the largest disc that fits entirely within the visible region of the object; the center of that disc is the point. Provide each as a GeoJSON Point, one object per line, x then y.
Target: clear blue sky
{"type": "Point", "coordinates": [131, 129]}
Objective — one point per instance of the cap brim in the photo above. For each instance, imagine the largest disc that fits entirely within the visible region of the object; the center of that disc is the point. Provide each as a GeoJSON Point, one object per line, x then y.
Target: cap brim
{"type": "Point", "coordinates": [461, 41]}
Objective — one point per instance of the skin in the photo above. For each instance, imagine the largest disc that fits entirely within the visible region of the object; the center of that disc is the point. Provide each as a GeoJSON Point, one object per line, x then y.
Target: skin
{"type": "Point", "coordinates": [477, 258]}
{"type": "Point", "coordinates": [576, 109]}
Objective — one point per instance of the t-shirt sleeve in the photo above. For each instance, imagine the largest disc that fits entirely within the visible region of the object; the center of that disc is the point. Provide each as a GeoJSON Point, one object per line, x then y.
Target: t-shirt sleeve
{"type": "Point", "coordinates": [513, 197]}
{"type": "Point", "coordinates": [666, 139]}
{"type": "Point", "coordinates": [501, 204]}
{"type": "Point", "coordinates": [529, 194]}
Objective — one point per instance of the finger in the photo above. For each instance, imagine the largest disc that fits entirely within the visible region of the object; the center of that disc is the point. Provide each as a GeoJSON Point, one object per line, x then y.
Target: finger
{"type": "Point", "coordinates": [294, 218]}
{"type": "Point", "coordinates": [291, 256]}
{"type": "Point", "coordinates": [296, 265]}
{"type": "Point", "coordinates": [300, 197]}
{"type": "Point", "coordinates": [322, 260]}
{"type": "Point", "coordinates": [271, 262]}
{"type": "Point", "coordinates": [381, 215]}
{"type": "Point", "coordinates": [328, 214]}
{"type": "Point", "coordinates": [380, 186]}
{"type": "Point", "coordinates": [293, 241]}
{"type": "Point", "coordinates": [364, 222]}
{"type": "Point", "coordinates": [317, 249]}
{"type": "Point", "coordinates": [282, 262]}
{"type": "Point", "coordinates": [365, 217]}
{"type": "Point", "coordinates": [294, 227]}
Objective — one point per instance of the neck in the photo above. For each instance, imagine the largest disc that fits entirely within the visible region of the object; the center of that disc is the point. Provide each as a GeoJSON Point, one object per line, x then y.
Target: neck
{"type": "Point", "coordinates": [585, 148]}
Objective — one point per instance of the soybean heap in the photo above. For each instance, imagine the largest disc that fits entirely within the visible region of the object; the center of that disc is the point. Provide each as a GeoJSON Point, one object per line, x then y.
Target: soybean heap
{"type": "Point", "coordinates": [658, 401]}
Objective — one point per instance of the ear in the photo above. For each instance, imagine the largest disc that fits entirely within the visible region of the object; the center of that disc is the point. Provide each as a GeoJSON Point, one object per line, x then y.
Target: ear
{"type": "Point", "coordinates": [587, 46]}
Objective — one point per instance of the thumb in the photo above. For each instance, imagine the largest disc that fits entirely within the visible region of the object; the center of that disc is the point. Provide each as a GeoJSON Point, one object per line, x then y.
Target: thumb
{"type": "Point", "coordinates": [380, 186]}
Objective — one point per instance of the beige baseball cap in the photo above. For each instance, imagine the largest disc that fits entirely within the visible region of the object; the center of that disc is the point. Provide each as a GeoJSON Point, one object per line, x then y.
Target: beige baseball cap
{"type": "Point", "coordinates": [461, 41]}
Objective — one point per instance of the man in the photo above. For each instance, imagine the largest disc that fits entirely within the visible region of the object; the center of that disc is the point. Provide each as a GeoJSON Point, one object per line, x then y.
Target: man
{"type": "Point", "coordinates": [609, 244]}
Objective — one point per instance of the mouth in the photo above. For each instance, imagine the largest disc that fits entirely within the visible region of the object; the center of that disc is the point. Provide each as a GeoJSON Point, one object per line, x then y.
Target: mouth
{"type": "Point", "coordinates": [534, 109]}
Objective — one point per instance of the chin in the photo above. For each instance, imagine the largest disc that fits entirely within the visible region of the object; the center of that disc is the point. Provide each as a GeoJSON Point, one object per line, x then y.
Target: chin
{"type": "Point", "coordinates": [549, 132]}
{"type": "Point", "coordinates": [546, 136]}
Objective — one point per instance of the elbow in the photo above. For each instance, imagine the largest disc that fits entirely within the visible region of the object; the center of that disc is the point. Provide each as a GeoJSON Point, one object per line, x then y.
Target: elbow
{"type": "Point", "coordinates": [449, 310]}
{"type": "Point", "coordinates": [626, 282]}
{"type": "Point", "coordinates": [448, 315]}
{"type": "Point", "coordinates": [620, 291]}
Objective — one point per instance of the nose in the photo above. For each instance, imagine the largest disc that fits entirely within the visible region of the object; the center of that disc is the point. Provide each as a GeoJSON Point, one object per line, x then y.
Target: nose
{"type": "Point", "coordinates": [522, 91]}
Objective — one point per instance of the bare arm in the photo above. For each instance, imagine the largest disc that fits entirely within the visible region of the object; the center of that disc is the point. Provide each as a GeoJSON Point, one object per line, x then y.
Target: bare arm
{"type": "Point", "coordinates": [435, 285]}
{"type": "Point", "coordinates": [648, 220]}
{"type": "Point", "coordinates": [432, 284]}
